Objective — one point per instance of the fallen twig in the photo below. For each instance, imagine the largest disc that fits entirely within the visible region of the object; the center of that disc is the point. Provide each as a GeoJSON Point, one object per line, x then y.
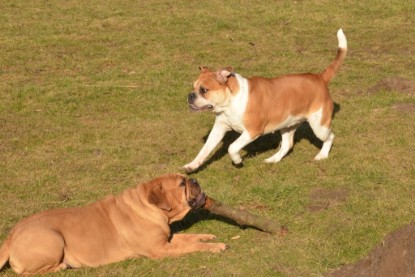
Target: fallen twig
{"type": "Point", "coordinates": [243, 217]}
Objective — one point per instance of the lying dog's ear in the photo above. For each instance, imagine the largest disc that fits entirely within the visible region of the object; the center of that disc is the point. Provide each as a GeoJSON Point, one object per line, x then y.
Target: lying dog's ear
{"type": "Point", "coordinates": [203, 69]}
{"type": "Point", "coordinates": [223, 74]}
{"type": "Point", "coordinates": [157, 196]}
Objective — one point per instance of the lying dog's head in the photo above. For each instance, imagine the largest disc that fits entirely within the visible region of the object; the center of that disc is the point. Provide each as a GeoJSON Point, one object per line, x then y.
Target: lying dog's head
{"type": "Point", "coordinates": [175, 195]}
{"type": "Point", "coordinates": [212, 90]}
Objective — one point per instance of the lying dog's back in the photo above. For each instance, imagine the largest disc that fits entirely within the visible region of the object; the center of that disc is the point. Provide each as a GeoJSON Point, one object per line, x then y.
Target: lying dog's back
{"type": "Point", "coordinates": [105, 227]}
{"type": "Point", "coordinates": [132, 224]}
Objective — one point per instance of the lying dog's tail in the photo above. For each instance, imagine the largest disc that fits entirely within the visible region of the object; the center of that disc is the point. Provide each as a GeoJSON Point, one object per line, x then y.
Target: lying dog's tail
{"type": "Point", "coordinates": [4, 253]}
{"type": "Point", "coordinates": [332, 69]}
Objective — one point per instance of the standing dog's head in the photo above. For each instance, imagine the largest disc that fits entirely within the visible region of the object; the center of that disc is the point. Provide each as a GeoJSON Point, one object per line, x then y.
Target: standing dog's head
{"type": "Point", "coordinates": [212, 90]}
{"type": "Point", "coordinates": [175, 195]}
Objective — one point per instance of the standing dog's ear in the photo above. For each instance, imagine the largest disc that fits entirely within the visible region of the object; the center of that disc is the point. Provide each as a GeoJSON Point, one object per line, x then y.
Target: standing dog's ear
{"type": "Point", "coordinates": [223, 74]}
{"type": "Point", "coordinates": [157, 196]}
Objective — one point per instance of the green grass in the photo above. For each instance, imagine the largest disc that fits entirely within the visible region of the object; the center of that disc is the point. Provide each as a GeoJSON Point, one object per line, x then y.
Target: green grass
{"type": "Point", "coordinates": [93, 101]}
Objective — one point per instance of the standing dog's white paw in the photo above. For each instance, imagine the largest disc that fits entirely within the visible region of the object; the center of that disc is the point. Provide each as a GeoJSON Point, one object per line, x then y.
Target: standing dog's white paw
{"type": "Point", "coordinates": [321, 156]}
{"type": "Point", "coordinates": [191, 166]}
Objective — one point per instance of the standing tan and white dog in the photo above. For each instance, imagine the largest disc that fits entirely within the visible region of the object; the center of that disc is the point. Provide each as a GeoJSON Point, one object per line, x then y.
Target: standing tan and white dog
{"type": "Point", "coordinates": [256, 106]}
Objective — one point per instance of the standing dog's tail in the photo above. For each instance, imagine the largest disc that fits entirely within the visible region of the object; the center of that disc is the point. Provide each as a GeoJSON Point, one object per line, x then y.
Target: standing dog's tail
{"type": "Point", "coordinates": [4, 253]}
{"type": "Point", "coordinates": [332, 69]}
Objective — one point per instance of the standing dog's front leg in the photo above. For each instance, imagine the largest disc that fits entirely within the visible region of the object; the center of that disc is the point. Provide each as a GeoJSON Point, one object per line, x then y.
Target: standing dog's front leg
{"type": "Point", "coordinates": [238, 144]}
{"type": "Point", "coordinates": [216, 135]}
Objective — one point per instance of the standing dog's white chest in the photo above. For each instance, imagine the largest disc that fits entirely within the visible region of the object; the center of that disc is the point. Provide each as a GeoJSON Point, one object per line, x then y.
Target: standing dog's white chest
{"type": "Point", "coordinates": [233, 115]}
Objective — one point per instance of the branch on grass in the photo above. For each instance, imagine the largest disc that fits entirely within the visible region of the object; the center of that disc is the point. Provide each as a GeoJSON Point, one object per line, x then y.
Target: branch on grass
{"type": "Point", "coordinates": [243, 217]}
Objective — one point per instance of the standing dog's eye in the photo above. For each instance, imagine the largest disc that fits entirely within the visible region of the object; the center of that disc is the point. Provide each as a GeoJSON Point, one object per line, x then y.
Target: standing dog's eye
{"type": "Point", "coordinates": [203, 90]}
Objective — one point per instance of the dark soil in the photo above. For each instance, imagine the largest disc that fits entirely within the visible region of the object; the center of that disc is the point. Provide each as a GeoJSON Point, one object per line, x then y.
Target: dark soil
{"type": "Point", "coordinates": [394, 256]}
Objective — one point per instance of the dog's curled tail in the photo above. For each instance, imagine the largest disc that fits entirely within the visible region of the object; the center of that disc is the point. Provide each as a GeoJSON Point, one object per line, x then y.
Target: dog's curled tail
{"type": "Point", "coordinates": [4, 253]}
{"type": "Point", "coordinates": [332, 69]}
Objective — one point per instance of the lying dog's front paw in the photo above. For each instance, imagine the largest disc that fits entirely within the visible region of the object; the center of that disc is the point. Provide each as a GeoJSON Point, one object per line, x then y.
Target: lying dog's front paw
{"type": "Point", "coordinates": [206, 237]}
{"type": "Point", "coordinates": [218, 247]}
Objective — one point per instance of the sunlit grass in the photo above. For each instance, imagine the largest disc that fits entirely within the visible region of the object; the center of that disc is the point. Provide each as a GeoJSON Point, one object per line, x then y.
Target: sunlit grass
{"type": "Point", "coordinates": [93, 100]}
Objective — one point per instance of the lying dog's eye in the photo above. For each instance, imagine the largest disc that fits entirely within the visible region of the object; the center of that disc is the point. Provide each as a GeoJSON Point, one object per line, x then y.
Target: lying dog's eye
{"type": "Point", "coordinates": [203, 90]}
{"type": "Point", "coordinates": [183, 183]}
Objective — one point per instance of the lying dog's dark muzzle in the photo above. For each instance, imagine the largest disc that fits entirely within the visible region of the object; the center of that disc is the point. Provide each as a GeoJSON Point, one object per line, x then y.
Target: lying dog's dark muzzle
{"type": "Point", "coordinates": [198, 202]}
{"type": "Point", "coordinates": [197, 197]}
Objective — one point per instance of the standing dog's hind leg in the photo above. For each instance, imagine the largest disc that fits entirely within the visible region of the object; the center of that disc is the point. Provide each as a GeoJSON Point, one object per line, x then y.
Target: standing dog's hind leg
{"type": "Point", "coordinates": [324, 133]}
{"type": "Point", "coordinates": [287, 142]}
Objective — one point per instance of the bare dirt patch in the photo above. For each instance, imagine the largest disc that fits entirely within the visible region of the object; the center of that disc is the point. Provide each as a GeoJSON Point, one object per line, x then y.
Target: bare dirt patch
{"type": "Point", "coordinates": [398, 84]}
{"type": "Point", "coordinates": [405, 108]}
{"type": "Point", "coordinates": [322, 199]}
{"type": "Point", "coordinates": [394, 256]}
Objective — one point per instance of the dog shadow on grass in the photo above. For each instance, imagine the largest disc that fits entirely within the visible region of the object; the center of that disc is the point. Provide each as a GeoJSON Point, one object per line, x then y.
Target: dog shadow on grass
{"type": "Point", "coordinates": [202, 215]}
{"type": "Point", "coordinates": [264, 143]}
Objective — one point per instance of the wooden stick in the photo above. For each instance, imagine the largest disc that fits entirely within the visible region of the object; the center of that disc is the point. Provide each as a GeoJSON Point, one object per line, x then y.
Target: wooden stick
{"type": "Point", "coordinates": [243, 217]}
